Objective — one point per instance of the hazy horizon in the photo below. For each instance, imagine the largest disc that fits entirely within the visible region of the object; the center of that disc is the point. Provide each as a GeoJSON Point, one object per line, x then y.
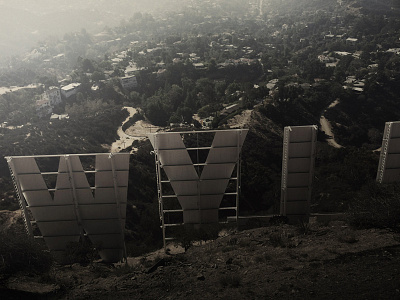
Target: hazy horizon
{"type": "Point", "coordinates": [23, 23]}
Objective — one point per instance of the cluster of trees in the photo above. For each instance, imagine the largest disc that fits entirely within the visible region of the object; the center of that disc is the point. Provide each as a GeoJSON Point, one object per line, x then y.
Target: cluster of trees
{"type": "Point", "coordinates": [18, 108]}
{"type": "Point", "coordinates": [91, 124]}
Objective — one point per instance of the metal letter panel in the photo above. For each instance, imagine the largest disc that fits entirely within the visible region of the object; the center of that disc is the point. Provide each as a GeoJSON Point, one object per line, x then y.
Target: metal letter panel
{"type": "Point", "coordinates": [206, 202]}
{"type": "Point", "coordinates": [74, 161]}
{"type": "Point", "coordinates": [297, 170]}
{"type": "Point", "coordinates": [59, 228]}
{"type": "Point", "coordinates": [391, 175]}
{"type": "Point", "coordinates": [101, 211]}
{"type": "Point", "coordinates": [297, 194]}
{"type": "Point", "coordinates": [106, 179]}
{"type": "Point", "coordinates": [102, 226]}
{"type": "Point", "coordinates": [300, 149]}
{"type": "Point", "coordinates": [213, 187]}
{"type": "Point", "coordinates": [192, 217]}
{"type": "Point", "coordinates": [53, 213]}
{"type": "Point", "coordinates": [32, 182]}
{"type": "Point", "coordinates": [394, 146]}
{"type": "Point", "coordinates": [185, 188]}
{"type": "Point", "coordinates": [299, 165]}
{"type": "Point", "coordinates": [25, 165]}
{"type": "Point", "coordinates": [199, 195]}
{"type": "Point", "coordinates": [38, 198]}
{"type": "Point", "coordinates": [174, 157]}
{"type": "Point", "coordinates": [181, 172]}
{"type": "Point", "coordinates": [229, 138]}
{"type": "Point", "coordinates": [393, 160]}
{"type": "Point", "coordinates": [63, 197]}
{"type": "Point", "coordinates": [218, 171]}
{"type": "Point", "coordinates": [389, 161]}
{"type": "Point", "coordinates": [300, 134]}
{"type": "Point", "coordinates": [298, 180]}
{"type": "Point", "coordinates": [223, 155]}
{"type": "Point", "coordinates": [395, 130]}
{"type": "Point", "coordinates": [103, 163]}
{"type": "Point", "coordinates": [74, 210]}
{"type": "Point", "coordinates": [210, 201]}
{"type": "Point", "coordinates": [161, 141]}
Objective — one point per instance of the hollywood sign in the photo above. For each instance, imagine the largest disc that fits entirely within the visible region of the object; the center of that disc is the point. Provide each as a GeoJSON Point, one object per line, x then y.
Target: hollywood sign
{"type": "Point", "coordinates": [198, 180]}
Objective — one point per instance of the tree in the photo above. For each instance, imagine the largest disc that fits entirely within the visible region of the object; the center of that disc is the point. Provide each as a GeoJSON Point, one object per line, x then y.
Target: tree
{"type": "Point", "coordinates": [155, 111]}
{"type": "Point", "coordinates": [87, 65]}
{"type": "Point", "coordinates": [174, 97]}
{"type": "Point", "coordinates": [206, 89]}
{"type": "Point", "coordinates": [97, 76]}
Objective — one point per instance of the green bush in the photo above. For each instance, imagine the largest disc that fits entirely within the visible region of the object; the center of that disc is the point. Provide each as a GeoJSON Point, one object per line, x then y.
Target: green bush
{"type": "Point", "coordinates": [377, 205]}
{"type": "Point", "coordinates": [21, 254]}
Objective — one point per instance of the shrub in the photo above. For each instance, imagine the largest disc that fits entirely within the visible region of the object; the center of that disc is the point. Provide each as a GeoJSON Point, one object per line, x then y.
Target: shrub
{"type": "Point", "coordinates": [377, 205]}
{"type": "Point", "coordinates": [187, 234]}
{"type": "Point", "coordinates": [304, 227]}
{"type": "Point", "coordinates": [136, 117]}
{"type": "Point", "coordinates": [19, 253]}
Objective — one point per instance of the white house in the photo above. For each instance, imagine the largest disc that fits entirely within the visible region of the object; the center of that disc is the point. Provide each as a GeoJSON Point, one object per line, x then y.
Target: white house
{"type": "Point", "coordinates": [70, 89]}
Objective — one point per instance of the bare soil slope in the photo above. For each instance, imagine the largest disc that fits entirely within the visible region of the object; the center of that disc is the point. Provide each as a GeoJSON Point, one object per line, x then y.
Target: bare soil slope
{"type": "Point", "coordinates": [317, 261]}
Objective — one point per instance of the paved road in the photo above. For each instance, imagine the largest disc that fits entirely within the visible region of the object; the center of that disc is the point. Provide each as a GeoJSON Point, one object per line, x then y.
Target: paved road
{"type": "Point", "coordinates": [124, 140]}
{"type": "Point", "coordinates": [138, 131]}
{"type": "Point", "coordinates": [327, 128]}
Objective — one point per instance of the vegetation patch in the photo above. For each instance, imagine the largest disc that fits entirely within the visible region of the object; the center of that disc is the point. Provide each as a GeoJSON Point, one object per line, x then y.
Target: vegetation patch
{"type": "Point", "coordinates": [377, 205]}
{"type": "Point", "coordinates": [22, 254]}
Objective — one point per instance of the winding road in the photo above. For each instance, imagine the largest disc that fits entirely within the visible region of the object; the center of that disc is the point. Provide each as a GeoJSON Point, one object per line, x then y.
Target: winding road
{"type": "Point", "coordinates": [138, 131]}
{"type": "Point", "coordinates": [327, 128]}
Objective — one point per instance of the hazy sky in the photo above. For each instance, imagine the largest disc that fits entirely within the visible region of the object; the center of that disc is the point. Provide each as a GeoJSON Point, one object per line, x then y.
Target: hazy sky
{"type": "Point", "coordinates": [24, 22]}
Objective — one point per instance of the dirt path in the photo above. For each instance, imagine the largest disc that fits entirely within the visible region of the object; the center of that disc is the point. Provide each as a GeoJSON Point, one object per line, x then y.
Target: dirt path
{"type": "Point", "coordinates": [327, 128]}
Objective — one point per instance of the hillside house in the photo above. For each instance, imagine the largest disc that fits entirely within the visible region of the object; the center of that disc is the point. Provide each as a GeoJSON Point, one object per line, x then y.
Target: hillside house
{"type": "Point", "coordinates": [70, 89]}
{"type": "Point", "coordinates": [351, 40]}
{"type": "Point", "coordinates": [230, 109]}
{"type": "Point", "coordinates": [199, 66]}
{"type": "Point", "coordinates": [53, 94]}
{"type": "Point", "coordinates": [46, 102]}
{"type": "Point", "coordinates": [43, 107]}
{"type": "Point", "coordinates": [129, 82]}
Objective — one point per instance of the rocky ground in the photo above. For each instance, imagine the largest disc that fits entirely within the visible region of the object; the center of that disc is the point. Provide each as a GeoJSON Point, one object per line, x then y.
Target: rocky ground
{"type": "Point", "coordinates": [320, 261]}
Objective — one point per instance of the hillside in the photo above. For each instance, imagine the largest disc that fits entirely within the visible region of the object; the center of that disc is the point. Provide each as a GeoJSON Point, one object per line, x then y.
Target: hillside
{"type": "Point", "coordinates": [322, 260]}
{"type": "Point", "coordinates": [283, 65]}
